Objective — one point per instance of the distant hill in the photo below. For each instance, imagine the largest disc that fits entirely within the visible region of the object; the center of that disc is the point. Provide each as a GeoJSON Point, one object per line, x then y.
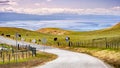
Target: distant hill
{"type": "Point", "coordinates": [114, 30]}
{"type": "Point", "coordinates": [111, 31]}
{"type": "Point", "coordinates": [53, 31]}
{"type": "Point", "coordinates": [117, 26]}
{"type": "Point", "coordinates": [13, 30]}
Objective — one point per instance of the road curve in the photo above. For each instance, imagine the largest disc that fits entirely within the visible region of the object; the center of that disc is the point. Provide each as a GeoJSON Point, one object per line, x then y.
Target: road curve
{"type": "Point", "coordinates": [66, 59]}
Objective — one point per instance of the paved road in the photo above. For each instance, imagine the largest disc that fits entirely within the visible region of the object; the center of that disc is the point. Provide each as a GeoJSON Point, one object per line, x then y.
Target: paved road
{"type": "Point", "coordinates": [66, 59]}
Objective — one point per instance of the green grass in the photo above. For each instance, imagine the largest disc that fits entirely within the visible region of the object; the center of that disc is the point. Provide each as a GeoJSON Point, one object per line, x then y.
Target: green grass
{"type": "Point", "coordinates": [5, 46]}
{"type": "Point", "coordinates": [112, 34]}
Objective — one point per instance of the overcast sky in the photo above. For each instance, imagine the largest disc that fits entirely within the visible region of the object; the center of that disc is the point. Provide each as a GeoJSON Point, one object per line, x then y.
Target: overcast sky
{"type": "Point", "coordinates": [100, 7]}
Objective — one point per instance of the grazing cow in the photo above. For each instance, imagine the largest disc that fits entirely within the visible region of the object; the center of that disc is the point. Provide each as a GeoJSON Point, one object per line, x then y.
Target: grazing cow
{"type": "Point", "coordinates": [55, 39]}
{"type": "Point", "coordinates": [19, 35]}
{"type": "Point", "coordinates": [2, 34]}
{"type": "Point", "coordinates": [39, 40]}
{"type": "Point", "coordinates": [8, 35]}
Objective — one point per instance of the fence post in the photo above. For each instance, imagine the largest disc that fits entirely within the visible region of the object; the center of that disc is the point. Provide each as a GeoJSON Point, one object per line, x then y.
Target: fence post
{"type": "Point", "coordinates": [9, 58]}
{"type": "Point", "coordinates": [26, 54]}
{"type": "Point", "coordinates": [1, 54]}
{"type": "Point", "coordinates": [3, 57]}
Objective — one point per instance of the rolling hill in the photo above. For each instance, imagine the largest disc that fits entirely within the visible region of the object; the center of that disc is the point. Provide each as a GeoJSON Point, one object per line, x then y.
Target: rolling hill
{"type": "Point", "coordinates": [53, 31]}
{"type": "Point", "coordinates": [114, 30]}
{"type": "Point", "coordinates": [50, 33]}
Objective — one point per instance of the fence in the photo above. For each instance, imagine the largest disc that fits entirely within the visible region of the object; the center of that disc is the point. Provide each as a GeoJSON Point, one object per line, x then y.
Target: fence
{"type": "Point", "coordinates": [113, 42]}
{"type": "Point", "coordinates": [7, 56]}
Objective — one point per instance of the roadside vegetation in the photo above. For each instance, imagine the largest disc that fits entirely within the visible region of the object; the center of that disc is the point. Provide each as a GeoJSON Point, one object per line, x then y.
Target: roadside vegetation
{"type": "Point", "coordinates": [21, 58]}
{"type": "Point", "coordinates": [110, 56]}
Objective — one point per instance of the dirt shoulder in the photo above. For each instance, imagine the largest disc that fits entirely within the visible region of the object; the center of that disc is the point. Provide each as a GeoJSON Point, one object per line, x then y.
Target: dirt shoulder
{"type": "Point", "coordinates": [110, 56]}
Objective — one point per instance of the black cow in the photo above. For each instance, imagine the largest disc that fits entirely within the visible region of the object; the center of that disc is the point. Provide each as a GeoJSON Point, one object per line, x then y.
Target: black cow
{"type": "Point", "coordinates": [19, 35]}
{"type": "Point", "coordinates": [55, 39]}
{"type": "Point", "coordinates": [39, 40]}
{"type": "Point", "coordinates": [2, 34]}
{"type": "Point", "coordinates": [7, 35]}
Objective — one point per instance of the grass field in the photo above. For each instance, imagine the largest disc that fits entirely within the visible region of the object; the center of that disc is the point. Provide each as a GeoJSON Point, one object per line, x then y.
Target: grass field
{"type": "Point", "coordinates": [112, 34]}
{"type": "Point", "coordinates": [109, 36]}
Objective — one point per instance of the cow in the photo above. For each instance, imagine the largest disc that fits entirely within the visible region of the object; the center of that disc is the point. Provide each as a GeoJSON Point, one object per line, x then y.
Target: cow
{"type": "Point", "coordinates": [55, 39]}
{"type": "Point", "coordinates": [8, 35]}
{"type": "Point", "coordinates": [2, 34]}
{"type": "Point", "coordinates": [19, 35]}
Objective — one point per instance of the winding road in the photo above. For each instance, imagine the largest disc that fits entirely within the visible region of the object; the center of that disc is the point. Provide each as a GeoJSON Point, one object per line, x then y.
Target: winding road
{"type": "Point", "coordinates": [66, 59]}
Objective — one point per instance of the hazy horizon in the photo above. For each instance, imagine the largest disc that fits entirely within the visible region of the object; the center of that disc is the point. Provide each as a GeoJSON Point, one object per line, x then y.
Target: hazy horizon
{"type": "Point", "coordinates": [78, 15]}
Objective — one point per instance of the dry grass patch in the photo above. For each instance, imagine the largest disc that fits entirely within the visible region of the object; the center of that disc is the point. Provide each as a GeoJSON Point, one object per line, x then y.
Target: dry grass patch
{"type": "Point", "coordinates": [110, 56]}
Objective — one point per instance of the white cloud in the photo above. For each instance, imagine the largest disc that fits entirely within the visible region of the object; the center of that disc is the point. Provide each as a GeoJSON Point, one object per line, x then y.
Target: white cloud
{"type": "Point", "coordinates": [49, 0]}
{"type": "Point", "coordinates": [37, 4]}
{"type": "Point", "coordinates": [116, 8]}
{"type": "Point", "coordinates": [13, 3]}
{"type": "Point", "coordinates": [8, 2]}
{"type": "Point", "coordinates": [45, 11]}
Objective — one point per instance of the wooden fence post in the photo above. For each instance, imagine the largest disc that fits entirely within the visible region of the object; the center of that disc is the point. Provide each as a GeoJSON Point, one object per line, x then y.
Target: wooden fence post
{"type": "Point", "coordinates": [9, 58]}
{"type": "Point", "coordinates": [3, 57]}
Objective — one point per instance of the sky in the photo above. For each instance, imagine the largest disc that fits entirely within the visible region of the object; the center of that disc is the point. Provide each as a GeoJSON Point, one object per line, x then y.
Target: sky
{"type": "Point", "coordinates": [65, 7]}
{"type": "Point", "coordinates": [43, 7]}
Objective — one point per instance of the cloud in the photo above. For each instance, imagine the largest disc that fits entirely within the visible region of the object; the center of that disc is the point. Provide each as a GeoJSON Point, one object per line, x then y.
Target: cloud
{"type": "Point", "coordinates": [13, 3]}
{"type": "Point", "coordinates": [116, 8]}
{"type": "Point", "coordinates": [47, 11]}
{"type": "Point", "coordinates": [48, 0]}
{"type": "Point", "coordinates": [4, 2]}
{"type": "Point", "coordinates": [37, 4]}
{"type": "Point", "coordinates": [8, 2]}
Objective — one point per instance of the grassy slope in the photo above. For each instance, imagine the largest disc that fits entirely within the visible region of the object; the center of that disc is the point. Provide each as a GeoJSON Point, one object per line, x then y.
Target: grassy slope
{"type": "Point", "coordinates": [53, 31]}
{"type": "Point", "coordinates": [74, 36]}
{"type": "Point", "coordinates": [89, 35]}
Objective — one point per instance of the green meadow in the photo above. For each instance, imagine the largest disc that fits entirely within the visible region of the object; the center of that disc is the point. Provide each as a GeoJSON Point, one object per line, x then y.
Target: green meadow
{"type": "Point", "coordinates": [112, 34]}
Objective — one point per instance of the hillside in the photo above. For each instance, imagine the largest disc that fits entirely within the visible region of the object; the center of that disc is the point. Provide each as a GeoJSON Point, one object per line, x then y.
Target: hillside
{"type": "Point", "coordinates": [53, 31]}
{"type": "Point", "coordinates": [50, 33]}
{"type": "Point", "coordinates": [114, 30]}
{"type": "Point", "coordinates": [117, 26]}
{"type": "Point", "coordinates": [13, 30]}
{"type": "Point", "coordinates": [25, 33]}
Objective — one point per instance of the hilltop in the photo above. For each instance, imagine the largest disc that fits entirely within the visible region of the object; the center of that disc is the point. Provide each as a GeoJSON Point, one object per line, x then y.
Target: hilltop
{"type": "Point", "coordinates": [53, 31]}
{"type": "Point", "coordinates": [114, 30]}
{"type": "Point", "coordinates": [117, 26]}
